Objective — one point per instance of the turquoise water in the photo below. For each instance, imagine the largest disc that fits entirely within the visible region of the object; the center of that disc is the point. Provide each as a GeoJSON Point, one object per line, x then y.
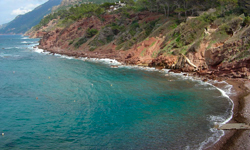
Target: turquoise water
{"type": "Point", "coordinates": [51, 102]}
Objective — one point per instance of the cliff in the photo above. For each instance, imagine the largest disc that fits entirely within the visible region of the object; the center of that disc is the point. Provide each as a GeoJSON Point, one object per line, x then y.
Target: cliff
{"type": "Point", "coordinates": [210, 45]}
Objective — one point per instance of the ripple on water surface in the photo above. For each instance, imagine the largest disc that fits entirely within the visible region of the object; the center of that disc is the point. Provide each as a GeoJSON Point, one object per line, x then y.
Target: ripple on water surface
{"type": "Point", "coordinates": [50, 102]}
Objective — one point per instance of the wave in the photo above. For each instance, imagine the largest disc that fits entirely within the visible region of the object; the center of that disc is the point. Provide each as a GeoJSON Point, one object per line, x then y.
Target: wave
{"type": "Point", "coordinates": [3, 55]}
{"type": "Point", "coordinates": [7, 48]}
{"type": "Point", "coordinates": [24, 42]}
{"type": "Point", "coordinates": [137, 67]}
{"type": "Point", "coordinates": [38, 50]}
{"type": "Point", "coordinates": [219, 120]}
{"type": "Point", "coordinates": [65, 56]}
{"type": "Point", "coordinates": [217, 134]}
{"type": "Point", "coordinates": [35, 44]}
{"type": "Point", "coordinates": [25, 37]}
{"type": "Point", "coordinates": [225, 91]}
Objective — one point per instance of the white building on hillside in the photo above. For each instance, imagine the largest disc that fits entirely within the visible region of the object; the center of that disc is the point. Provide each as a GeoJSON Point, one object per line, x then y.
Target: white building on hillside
{"type": "Point", "coordinates": [116, 6]}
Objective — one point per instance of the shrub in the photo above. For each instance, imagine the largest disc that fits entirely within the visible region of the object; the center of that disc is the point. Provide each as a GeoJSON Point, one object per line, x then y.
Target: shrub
{"type": "Point", "coordinates": [116, 28]}
{"type": "Point", "coordinates": [150, 26]}
{"type": "Point", "coordinates": [119, 46]}
{"type": "Point", "coordinates": [92, 48]}
{"type": "Point", "coordinates": [208, 17]}
{"type": "Point", "coordinates": [246, 21]}
{"type": "Point", "coordinates": [71, 42]}
{"type": "Point", "coordinates": [134, 25]}
{"type": "Point", "coordinates": [80, 42]}
{"type": "Point", "coordinates": [91, 32]}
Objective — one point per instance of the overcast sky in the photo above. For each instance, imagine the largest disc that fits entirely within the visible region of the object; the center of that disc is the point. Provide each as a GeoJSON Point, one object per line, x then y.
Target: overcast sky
{"type": "Point", "coordinates": [9, 9]}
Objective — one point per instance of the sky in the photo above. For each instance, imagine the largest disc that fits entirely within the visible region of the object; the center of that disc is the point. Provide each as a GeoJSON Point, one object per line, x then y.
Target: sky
{"type": "Point", "coordinates": [9, 9]}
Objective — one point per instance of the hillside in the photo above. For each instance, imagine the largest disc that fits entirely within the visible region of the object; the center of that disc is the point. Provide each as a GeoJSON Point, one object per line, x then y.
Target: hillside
{"type": "Point", "coordinates": [214, 43]}
{"type": "Point", "coordinates": [3, 25]}
{"type": "Point", "coordinates": [66, 4]}
{"type": "Point", "coordinates": [207, 39]}
{"type": "Point", "coordinates": [23, 23]}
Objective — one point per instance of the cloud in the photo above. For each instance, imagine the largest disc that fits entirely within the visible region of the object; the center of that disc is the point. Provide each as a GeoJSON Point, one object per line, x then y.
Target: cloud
{"type": "Point", "coordinates": [23, 10]}
{"type": "Point", "coordinates": [20, 11]}
{"type": "Point", "coordinates": [9, 9]}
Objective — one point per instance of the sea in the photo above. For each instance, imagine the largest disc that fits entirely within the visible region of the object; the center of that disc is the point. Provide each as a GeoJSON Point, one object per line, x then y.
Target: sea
{"type": "Point", "coordinates": [60, 102]}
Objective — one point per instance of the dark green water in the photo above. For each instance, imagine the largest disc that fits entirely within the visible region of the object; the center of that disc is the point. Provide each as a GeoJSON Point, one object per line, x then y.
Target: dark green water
{"type": "Point", "coordinates": [51, 102]}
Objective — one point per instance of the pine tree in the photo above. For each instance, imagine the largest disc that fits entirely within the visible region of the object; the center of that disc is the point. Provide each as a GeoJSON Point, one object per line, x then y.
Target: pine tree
{"type": "Point", "coordinates": [245, 6]}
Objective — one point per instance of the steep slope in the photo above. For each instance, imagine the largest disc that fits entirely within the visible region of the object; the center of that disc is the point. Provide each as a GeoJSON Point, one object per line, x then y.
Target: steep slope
{"type": "Point", "coordinates": [66, 4]}
{"type": "Point", "coordinates": [22, 23]}
{"type": "Point", "coordinates": [212, 45]}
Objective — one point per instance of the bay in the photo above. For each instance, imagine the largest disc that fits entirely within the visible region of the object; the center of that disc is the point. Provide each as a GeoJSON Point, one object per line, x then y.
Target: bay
{"type": "Point", "coordinates": [51, 102]}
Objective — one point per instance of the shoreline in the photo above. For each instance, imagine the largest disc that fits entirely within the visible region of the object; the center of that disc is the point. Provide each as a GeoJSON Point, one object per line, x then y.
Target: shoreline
{"type": "Point", "coordinates": [236, 139]}
{"type": "Point", "coordinates": [230, 137]}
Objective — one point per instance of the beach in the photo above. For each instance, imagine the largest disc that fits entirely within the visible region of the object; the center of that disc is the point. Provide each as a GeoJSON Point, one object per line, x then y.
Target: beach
{"type": "Point", "coordinates": [237, 139]}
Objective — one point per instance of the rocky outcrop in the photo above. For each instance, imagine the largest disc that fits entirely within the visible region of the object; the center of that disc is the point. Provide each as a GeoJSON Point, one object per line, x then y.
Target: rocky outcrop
{"type": "Point", "coordinates": [62, 38]}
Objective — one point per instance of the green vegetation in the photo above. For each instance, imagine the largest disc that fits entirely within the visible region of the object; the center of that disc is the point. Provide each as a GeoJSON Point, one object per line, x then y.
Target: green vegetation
{"type": "Point", "coordinates": [71, 15]}
{"type": "Point", "coordinates": [116, 28]}
{"type": "Point", "coordinates": [152, 44]}
{"type": "Point", "coordinates": [132, 29]}
{"type": "Point", "coordinates": [80, 42]}
{"type": "Point", "coordinates": [91, 32]}
{"type": "Point", "coordinates": [181, 9]}
{"type": "Point", "coordinates": [246, 21]}
{"type": "Point", "coordinates": [131, 25]}
{"type": "Point", "coordinates": [119, 46]}
{"type": "Point", "coordinates": [209, 18]}
{"type": "Point", "coordinates": [143, 52]}
{"type": "Point", "coordinates": [150, 26]}
{"type": "Point", "coordinates": [71, 42]}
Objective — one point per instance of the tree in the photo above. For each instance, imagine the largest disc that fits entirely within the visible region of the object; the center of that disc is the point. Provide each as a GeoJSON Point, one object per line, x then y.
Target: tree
{"type": "Point", "coordinates": [129, 2]}
{"type": "Point", "coordinates": [227, 5]}
{"type": "Point", "coordinates": [245, 6]}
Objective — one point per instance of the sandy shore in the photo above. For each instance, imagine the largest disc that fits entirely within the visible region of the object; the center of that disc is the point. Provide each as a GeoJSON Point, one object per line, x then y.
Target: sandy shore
{"type": "Point", "coordinates": [237, 139]}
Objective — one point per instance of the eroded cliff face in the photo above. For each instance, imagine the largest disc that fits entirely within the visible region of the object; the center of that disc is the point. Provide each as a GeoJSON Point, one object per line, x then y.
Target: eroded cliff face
{"type": "Point", "coordinates": [197, 50]}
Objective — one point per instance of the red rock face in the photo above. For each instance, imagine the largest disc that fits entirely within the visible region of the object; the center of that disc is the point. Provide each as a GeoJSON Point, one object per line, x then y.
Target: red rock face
{"type": "Point", "coordinates": [221, 62]}
{"type": "Point", "coordinates": [211, 62]}
{"type": "Point", "coordinates": [60, 38]}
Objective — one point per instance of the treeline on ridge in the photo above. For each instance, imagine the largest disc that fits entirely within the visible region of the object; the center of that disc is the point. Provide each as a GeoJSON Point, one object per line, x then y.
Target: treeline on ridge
{"type": "Point", "coordinates": [168, 7]}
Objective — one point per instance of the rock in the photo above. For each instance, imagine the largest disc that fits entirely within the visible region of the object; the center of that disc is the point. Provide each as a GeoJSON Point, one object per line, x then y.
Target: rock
{"type": "Point", "coordinates": [215, 60]}
{"type": "Point", "coordinates": [175, 71]}
{"type": "Point", "coordinates": [159, 67]}
{"type": "Point", "coordinates": [205, 80]}
{"type": "Point", "coordinates": [114, 66]}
